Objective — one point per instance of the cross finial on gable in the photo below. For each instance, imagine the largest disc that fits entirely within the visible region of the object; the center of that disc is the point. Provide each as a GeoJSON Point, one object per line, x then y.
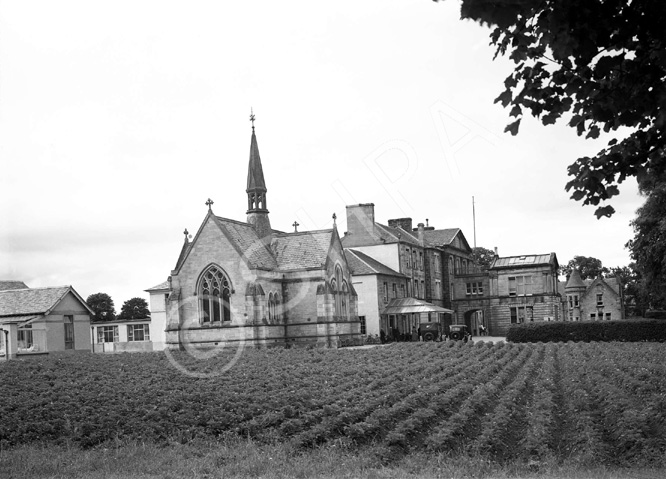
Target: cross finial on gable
{"type": "Point", "coordinates": [334, 218]}
{"type": "Point", "coordinates": [186, 232]}
{"type": "Point", "coordinates": [252, 118]}
{"type": "Point", "coordinates": [295, 225]}
{"type": "Point", "coordinates": [209, 203]}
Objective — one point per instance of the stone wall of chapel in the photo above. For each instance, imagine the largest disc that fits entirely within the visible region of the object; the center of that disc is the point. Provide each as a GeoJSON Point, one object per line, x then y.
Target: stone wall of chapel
{"type": "Point", "coordinates": [211, 246]}
{"type": "Point", "coordinates": [300, 299]}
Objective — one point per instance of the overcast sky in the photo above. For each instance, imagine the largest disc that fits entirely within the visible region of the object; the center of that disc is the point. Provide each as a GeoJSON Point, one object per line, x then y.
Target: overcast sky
{"type": "Point", "coordinates": [118, 119]}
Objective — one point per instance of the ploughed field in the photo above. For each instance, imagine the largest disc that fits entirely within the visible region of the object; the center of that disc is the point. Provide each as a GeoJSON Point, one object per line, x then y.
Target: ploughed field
{"type": "Point", "coordinates": [531, 402]}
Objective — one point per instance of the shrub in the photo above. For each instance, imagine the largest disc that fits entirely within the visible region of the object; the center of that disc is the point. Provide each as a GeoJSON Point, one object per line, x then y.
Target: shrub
{"type": "Point", "coordinates": [562, 331]}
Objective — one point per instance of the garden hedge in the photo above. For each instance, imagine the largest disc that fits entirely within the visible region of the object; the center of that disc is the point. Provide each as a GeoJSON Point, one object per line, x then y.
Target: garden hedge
{"type": "Point", "coordinates": [624, 330]}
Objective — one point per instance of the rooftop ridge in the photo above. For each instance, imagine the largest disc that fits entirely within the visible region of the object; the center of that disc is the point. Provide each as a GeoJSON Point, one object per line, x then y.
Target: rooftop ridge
{"type": "Point", "coordinates": [297, 233]}
{"type": "Point", "coordinates": [242, 223]}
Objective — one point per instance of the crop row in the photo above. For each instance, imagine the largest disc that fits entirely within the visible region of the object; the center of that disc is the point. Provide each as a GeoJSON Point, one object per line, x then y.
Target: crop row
{"type": "Point", "coordinates": [506, 401]}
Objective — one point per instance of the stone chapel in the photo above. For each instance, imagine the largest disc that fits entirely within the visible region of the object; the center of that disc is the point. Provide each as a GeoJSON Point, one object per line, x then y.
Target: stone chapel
{"type": "Point", "coordinates": [243, 281]}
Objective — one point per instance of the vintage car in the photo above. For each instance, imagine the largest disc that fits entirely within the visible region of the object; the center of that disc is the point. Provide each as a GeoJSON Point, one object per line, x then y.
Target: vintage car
{"type": "Point", "coordinates": [430, 331]}
{"type": "Point", "coordinates": [459, 332]}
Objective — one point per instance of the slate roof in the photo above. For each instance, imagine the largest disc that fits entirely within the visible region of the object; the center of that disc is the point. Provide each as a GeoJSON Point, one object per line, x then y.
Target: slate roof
{"type": "Point", "coordinates": [159, 287]}
{"type": "Point", "coordinates": [30, 301]}
{"type": "Point", "coordinates": [575, 280]}
{"type": "Point", "coordinates": [246, 239]}
{"type": "Point", "coordinates": [440, 237]}
{"type": "Point", "coordinates": [361, 264]}
{"type": "Point", "coordinates": [612, 283]}
{"type": "Point", "coordinates": [392, 234]}
{"type": "Point", "coordinates": [307, 249]}
{"type": "Point", "coordinates": [9, 284]}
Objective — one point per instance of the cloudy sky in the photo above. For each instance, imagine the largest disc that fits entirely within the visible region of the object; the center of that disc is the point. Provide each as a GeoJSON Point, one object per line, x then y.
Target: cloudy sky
{"type": "Point", "coordinates": [118, 119]}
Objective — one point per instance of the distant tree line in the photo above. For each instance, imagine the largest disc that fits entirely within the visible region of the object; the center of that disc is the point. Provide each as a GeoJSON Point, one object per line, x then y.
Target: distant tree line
{"type": "Point", "coordinates": [104, 308]}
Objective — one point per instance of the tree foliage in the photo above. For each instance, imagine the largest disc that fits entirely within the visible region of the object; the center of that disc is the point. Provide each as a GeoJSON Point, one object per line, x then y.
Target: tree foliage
{"type": "Point", "coordinates": [600, 63]}
{"type": "Point", "coordinates": [587, 266]}
{"type": "Point", "coordinates": [135, 308]}
{"type": "Point", "coordinates": [648, 247]}
{"type": "Point", "coordinates": [483, 257]}
{"type": "Point", "coordinates": [102, 305]}
{"type": "Point", "coordinates": [633, 289]}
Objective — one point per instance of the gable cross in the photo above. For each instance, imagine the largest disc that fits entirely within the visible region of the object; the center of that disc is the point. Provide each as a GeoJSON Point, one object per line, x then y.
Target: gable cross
{"type": "Point", "coordinates": [334, 218]}
{"type": "Point", "coordinates": [252, 118]}
{"type": "Point", "coordinates": [295, 225]}
{"type": "Point", "coordinates": [209, 203]}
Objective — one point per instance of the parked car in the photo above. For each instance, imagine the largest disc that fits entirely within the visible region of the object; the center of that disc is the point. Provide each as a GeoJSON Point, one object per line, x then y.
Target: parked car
{"type": "Point", "coordinates": [431, 331]}
{"type": "Point", "coordinates": [459, 332]}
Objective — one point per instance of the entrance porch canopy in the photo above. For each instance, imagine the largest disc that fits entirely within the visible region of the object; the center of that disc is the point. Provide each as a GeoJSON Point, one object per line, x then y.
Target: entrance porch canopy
{"type": "Point", "coordinates": [412, 305]}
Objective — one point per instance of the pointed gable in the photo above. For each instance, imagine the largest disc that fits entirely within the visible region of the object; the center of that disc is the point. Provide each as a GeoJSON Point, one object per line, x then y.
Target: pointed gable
{"type": "Point", "coordinates": [31, 301]}
{"type": "Point", "coordinates": [183, 253]}
{"type": "Point", "coordinates": [447, 237]}
{"type": "Point", "coordinates": [361, 264]}
{"type": "Point", "coordinates": [611, 284]}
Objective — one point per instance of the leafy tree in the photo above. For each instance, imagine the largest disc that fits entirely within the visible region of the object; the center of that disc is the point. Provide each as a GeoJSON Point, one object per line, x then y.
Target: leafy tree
{"type": "Point", "coordinates": [587, 266]}
{"type": "Point", "coordinates": [483, 257]}
{"type": "Point", "coordinates": [102, 305]}
{"type": "Point", "coordinates": [603, 64]}
{"type": "Point", "coordinates": [135, 308]}
{"type": "Point", "coordinates": [648, 247]}
{"type": "Point", "coordinates": [633, 289]}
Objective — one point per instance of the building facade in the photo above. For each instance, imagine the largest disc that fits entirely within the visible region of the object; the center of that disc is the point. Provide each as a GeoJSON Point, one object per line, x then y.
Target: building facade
{"type": "Point", "coordinates": [376, 285]}
{"type": "Point", "coordinates": [42, 320]}
{"type": "Point", "coordinates": [592, 299]}
{"type": "Point", "coordinates": [244, 282]}
{"type": "Point", "coordinates": [515, 289]}
{"type": "Point", "coordinates": [430, 259]}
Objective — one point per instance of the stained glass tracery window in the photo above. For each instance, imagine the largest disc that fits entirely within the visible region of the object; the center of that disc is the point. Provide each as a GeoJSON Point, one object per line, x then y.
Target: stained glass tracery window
{"type": "Point", "coordinates": [214, 294]}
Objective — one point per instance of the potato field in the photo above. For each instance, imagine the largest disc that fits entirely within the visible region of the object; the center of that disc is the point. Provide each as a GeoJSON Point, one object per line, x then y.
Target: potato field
{"type": "Point", "coordinates": [601, 401]}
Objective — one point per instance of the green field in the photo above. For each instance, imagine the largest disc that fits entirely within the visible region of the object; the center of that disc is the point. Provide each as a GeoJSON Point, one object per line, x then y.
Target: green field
{"type": "Point", "coordinates": [502, 407]}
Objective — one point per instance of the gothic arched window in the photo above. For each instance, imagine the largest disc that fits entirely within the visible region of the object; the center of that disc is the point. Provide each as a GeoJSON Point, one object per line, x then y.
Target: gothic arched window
{"type": "Point", "coordinates": [274, 313]}
{"type": "Point", "coordinates": [345, 300]}
{"type": "Point", "coordinates": [277, 313]}
{"type": "Point", "coordinates": [214, 295]}
{"type": "Point", "coordinates": [339, 292]}
{"type": "Point", "coordinates": [334, 290]}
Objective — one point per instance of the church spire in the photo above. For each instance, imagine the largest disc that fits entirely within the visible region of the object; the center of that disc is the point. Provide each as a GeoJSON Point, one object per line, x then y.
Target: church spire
{"type": "Point", "coordinates": [257, 211]}
{"type": "Point", "coordinates": [255, 172]}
